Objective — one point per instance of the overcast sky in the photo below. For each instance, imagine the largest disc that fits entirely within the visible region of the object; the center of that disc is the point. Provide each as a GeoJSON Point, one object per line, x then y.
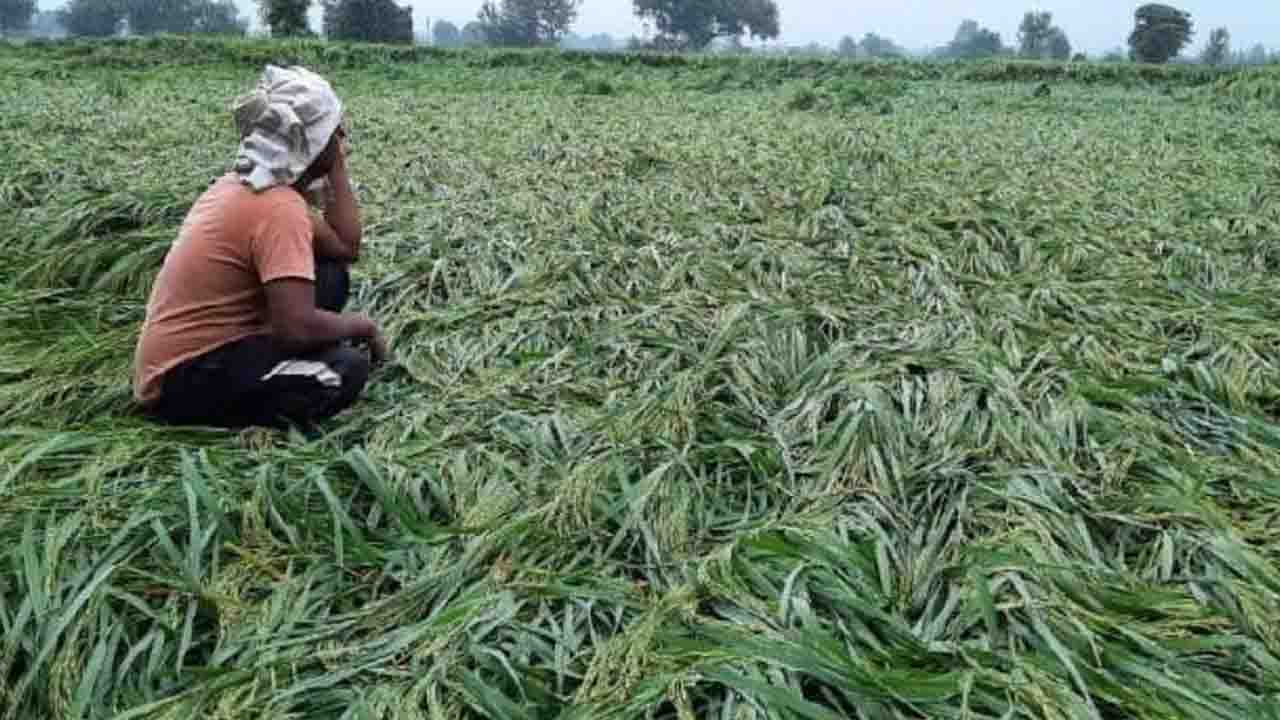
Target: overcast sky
{"type": "Point", "coordinates": [1093, 25]}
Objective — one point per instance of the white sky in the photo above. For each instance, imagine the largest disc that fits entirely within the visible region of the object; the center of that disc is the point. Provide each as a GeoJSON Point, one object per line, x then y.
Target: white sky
{"type": "Point", "coordinates": [1093, 25]}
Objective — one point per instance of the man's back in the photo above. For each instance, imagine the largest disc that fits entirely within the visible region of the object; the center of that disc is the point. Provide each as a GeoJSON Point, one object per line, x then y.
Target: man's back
{"type": "Point", "coordinates": [210, 290]}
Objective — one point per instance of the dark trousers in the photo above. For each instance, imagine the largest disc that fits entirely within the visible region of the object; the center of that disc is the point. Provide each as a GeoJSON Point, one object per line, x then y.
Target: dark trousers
{"type": "Point", "coordinates": [256, 382]}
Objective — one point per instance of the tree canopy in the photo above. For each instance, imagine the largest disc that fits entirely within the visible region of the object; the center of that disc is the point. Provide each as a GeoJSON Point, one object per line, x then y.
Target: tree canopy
{"type": "Point", "coordinates": [445, 34]}
{"type": "Point", "coordinates": [47, 24]}
{"type": "Point", "coordinates": [1218, 51]}
{"type": "Point", "coordinates": [15, 16]}
{"type": "Point", "coordinates": [91, 18]}
{"type": "Point", "coordinates": [1257, 55]}
{"type": "Point", "coordinates": [379, 21]}
{"type": "Point", "coordinates": [693, 24]}
{"type": "Point", "coordinates": [526, 23]}
{"type": "Point", "coordinates": [149, 17]}
{"type": "Point", "coordinates": [286, 18]}
{"type": "Point", "coordinates": [1160, 32]}
{"type": "Point", "coordinates": [876, 46]}
{"type": "Point", "coordinates": [848, 47]}
{"type": "Point", "coordinates": [1039, 38]}
{"type": "Point", "coordinates": [973, 41]}
{"type": "Point", "coordinates": [219, 16]}
{"type": "Point", "coordinates": [473, 34]}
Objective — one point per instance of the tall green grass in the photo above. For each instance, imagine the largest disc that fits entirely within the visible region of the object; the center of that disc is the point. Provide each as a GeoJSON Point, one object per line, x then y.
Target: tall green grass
{"type": "Point", "coordinates": [927, 399]}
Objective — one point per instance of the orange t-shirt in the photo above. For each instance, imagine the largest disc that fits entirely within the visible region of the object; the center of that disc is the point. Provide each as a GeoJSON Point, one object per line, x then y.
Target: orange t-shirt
{"type": "Point", "coordinates": [210, 290]}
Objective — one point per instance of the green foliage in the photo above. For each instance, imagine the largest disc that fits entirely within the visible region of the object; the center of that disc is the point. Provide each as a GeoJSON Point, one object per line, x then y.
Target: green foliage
{"type": "Point", "coordinates": [473, 34]}
{"type": "Point", "coordinates": [92, 18]}
{"type": "Point", "coordinates": [848, 47]}
{"type": "Point", "coordinates": [286, 18]}
{"type": "Point", "coordinates": [1218, 51]}
{"type": "Point", "coordinates": [1259, 86]}
{"type": "Point", "coordinates": [1160, 32]}
{"type": "Point", "coordinates": [445, 34]}
{"type": "Point", "coordinates": [380, 21]}
{"type": "Point", "coordinates": [1257, 55]}
{"type": "Point", "coordinates": [220, 17]}
{"type": "Point", "coordinates": [847, 95]}
{"type": "Point", "coordinates": [97, 18]}
{"type": "Point", "coordinates": [876, 46]}
{"type": "Point", "coordinates": [599, 86]}
{"type": "Point", "coordinates": [1059, 46]}
{"type": "Point", "coordinates": [972, 42]}
{"type": "Point", "coordinates": [47, 24]}
{"type": "Point", "coordinates": [704, 407]}
{"type": "Point", "coordinates": [526, 23]}
{"type": "Point", "coordinates": [1039, 38]}
{"type": "Point", "coordinates": [148, 17]}
{"type": "Point", "coordinates": [748, 72]}
{"type": "Point", "coordinates": [693, 24]}
{"type": "Point", "coordinates": [15, 16]}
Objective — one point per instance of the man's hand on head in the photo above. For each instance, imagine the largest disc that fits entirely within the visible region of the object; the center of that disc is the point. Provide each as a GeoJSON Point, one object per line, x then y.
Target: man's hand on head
{"type": "Point", "coordinates": [338, 173]}
{"type": "Point", "coordinates": [341, 213]}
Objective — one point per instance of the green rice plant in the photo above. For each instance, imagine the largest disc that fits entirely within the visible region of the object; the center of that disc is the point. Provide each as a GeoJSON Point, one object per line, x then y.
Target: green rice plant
{"type": "Point", "coordinates": [726, 393]}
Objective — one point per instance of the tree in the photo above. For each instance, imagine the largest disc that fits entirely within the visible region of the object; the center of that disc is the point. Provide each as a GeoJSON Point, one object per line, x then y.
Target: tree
{"type": "Point", "coordinates": [149, 17]}
{"type": "Point", "coordinates": [693, 24]}
{"type": "Point", "coordinates": [91, 18]}
{"type": "Point", "coordinates": [1033, 34]}
{"type": "Point", "coordinates": [526, 23]}
{"type": "Point", "coordinates": [1039, 38]}
{"type": "Point", "coordinates": [973, 41]}
{"type": "Point", "coordinates": [445, 34]}
{"type": "Point", "coordinates": [1160, 32]}
{"type": "Point", "coordinates": [221, 17]}
{"type": "Point", "coordinates": [377, 21]}
{"type": "Point", "coordinates": [15, 16]}
{"type": "Point", "coordinates": [472, 34]}
{"type": "Point", "coordinates": [47, 25]}
{"type": "Point", "coordinates": [848, 47]}
{"type": "Point", "coordinates": [872, 45]}
{"type": "Point", "coordinates": [1219, 48]}
{"type": "Point", "coordinates": [286, 18]}
{"type": "Point", "coordinates": [1059, 46]}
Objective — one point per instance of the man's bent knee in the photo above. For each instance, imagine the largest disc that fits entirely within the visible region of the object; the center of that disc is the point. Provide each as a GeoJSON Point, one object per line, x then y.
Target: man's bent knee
{"type": "Point", "coordinates": [353, 367]}
{"type": "Point", "coordinates": [314, 387]}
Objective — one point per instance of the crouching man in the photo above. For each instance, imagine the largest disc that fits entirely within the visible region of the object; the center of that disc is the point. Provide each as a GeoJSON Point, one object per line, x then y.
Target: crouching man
{"type": "Point", "coordinates": [244, 325]}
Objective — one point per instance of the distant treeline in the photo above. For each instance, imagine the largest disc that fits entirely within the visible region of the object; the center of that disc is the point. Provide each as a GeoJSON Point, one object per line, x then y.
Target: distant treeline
{"type": "Point", "coordinates": [66, 56]}
{"type": "Point", "coordinates": [1159, 34]}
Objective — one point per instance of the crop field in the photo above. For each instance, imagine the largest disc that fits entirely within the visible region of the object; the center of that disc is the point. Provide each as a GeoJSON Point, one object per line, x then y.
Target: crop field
{"type": "Point", "coordinates": [724, 388]}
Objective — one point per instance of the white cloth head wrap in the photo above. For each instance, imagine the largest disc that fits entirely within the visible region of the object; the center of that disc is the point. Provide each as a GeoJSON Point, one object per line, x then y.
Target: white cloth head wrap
{"type": "Point", "coordinates": [284, 124]}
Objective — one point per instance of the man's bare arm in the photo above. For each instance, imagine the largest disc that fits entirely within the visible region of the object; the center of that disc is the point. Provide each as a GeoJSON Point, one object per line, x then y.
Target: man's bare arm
{"type": "Point", "coordinates": [302, 327]}
{"type": "Point", "coordinates": [327, 243]}
{"type": "Point", "coordinates": [342, 215]}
